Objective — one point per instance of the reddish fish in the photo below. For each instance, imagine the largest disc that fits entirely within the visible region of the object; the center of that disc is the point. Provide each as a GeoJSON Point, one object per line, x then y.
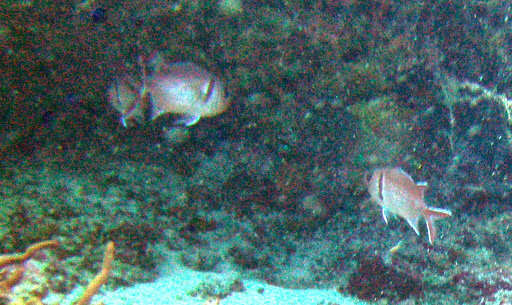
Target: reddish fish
{"type": "Point", "coordinates": [396, 192]}
{"type": "Point", "coordinates": [186, 89]}
{"type": "Point", "coordinates": [181, 88]}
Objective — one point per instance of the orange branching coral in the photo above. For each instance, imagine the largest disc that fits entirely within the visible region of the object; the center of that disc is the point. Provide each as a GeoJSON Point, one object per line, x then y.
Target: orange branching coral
{"type": "Point", "coordinates": [101, 278]}
{"type": "Point", "coordinates": [12, 278]}
{"type": "Point", "coordinates": [21, 258]}
{"type": "Point", "coordinates": [30, 301]}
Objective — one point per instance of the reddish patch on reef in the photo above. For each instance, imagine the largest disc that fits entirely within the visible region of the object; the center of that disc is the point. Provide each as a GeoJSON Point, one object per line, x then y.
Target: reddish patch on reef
{"type": "Point", "coordinates": [374, 280]}
{"type": "Point", "coordinates": [484, 290]}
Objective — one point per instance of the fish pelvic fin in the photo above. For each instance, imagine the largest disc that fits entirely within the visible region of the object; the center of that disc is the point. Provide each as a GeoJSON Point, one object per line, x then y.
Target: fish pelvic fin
{"type": "Point", "coordinates": [188, 120]}
{"type": "Point", "coordinates": [413, 222]}
{"type": "Point", "coordinates": [385, 214]}
{"type": "Point", "coordinates": [432, 214]}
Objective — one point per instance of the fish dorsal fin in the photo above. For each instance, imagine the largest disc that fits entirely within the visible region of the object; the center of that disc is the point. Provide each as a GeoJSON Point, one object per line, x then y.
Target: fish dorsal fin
{"type": "Point", "coordinates": [413, 222]}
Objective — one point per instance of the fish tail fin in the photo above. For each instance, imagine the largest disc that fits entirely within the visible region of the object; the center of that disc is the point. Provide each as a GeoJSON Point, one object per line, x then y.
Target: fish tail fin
{"type": "Point", "coordinates": [432, 214]}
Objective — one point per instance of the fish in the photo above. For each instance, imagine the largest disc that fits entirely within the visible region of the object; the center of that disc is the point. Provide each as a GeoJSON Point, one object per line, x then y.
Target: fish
{"type": "Point", "coordinates": [127, 95]}
{"type": "Point", "coordinates": [186, 89]}
{"type": "Point", "coordinates": [181, 88]}
{"type": "Point", "coordinates": [397, 193]}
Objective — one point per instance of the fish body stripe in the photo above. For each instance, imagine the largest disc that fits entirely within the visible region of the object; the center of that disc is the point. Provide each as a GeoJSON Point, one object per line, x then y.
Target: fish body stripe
{"type": "Point", "coordinates": [381, 176]}
{"type": "Point", "coordinates": [209, 91]}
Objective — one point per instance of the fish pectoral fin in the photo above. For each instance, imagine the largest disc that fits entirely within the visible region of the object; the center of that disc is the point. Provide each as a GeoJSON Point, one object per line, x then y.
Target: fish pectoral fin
{"type": "Point", "coordinates": [188, 120]}
{"type": "Point", "coordinates": [123, 121]}
{"type": "Point", "coordinates": [155, 112]}
{"type": "Point", "coordinates": [385, 214]}
{"type": "Point", "coordinates": [413, 222]}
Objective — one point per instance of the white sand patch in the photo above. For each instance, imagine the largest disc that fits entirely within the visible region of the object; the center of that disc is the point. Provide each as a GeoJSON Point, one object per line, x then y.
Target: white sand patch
{"type": "Point", "coordinates": [183, 287]}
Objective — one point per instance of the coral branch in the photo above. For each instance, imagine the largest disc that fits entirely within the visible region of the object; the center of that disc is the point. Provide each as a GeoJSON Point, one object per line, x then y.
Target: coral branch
{"type": "Point", "coordinates": [20, 258]}
{"type": "Point", "coordinates": [101, 278]}
{"type": "Point", "coordinates": [12, 279]}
